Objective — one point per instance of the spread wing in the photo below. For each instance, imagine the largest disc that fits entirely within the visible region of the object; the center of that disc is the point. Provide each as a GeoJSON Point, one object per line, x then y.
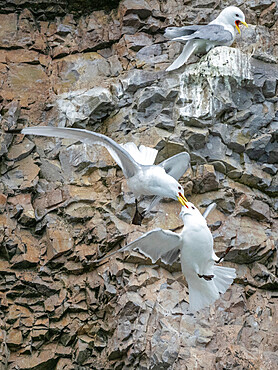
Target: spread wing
{"type": "Point", "coordinates": [177, 165]}
{"type": "Point", "coordinates": [209, 209]}
{"type": "Point", "coordinates": [210, 32]}
{"type": "Point", "coordinates": [155, 244]}
{"type": "Point", "coordinates": [128, 165]}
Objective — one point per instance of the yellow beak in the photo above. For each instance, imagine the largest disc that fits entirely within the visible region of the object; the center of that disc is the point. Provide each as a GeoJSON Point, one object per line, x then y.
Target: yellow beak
{"type": "Point", "coordinates": [182, 200]}
{"type": "Point", "coordinates": [237, 22]}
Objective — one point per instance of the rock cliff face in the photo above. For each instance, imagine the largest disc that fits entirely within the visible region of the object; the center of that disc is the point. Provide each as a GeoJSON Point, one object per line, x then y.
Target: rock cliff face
{"type": "Point", "coordinates": [101, 66]}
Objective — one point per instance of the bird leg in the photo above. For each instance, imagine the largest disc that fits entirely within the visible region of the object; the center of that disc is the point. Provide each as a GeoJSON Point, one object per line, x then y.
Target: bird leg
{"type": "Point", "coordinates": [224, 254]}
{"type": "Point", "coordinates": [13, 131]}
{"type": "Point", "coordinates": [138, 217]}
{"type": "Point", "coordinates": [206, 277]}
{"type": "Point", "coordinates": [177, 228]}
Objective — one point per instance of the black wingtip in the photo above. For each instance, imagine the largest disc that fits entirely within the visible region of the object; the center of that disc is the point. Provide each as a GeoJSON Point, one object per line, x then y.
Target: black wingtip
{"type": "Point", "coordinates": [13, 131]}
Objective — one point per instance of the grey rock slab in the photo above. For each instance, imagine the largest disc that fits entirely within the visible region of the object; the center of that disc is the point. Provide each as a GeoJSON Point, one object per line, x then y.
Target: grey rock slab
{"type": "Point", "coordinates": [138, 41]}
{"type": "Point", "coordinates": [253, 208]}
{"type": "Point", "coordinates": [165, 122]}
{"type": "Point", "coordinates": [269, 88]}
{"type": "Point", "coordinates": [254, 176]}
{"type": "Point", "coordinates": [131, 23]}
{"type": "Point", "coordinates": [137, 79]}
{"type": "Point", "coordinates": [50, 170]}
{"type": "Point", "coordinates": [195, 137]}
{"type": "Point", "coordinates": [5, 142]}
{"type": "Point", "coordinates": [21, 150]}
{"type": "Point", "coordinates": [239, 116]}
{"type": "Point", "coordinates": [83, 105]}
{"type": "Point", "coordinates": [246, 236]}
{"type": "Point", "coordinates": [151, 54]}
{"type": "Point", "coordinates": [270, 168]}
{"type": "Point", "coordinates": [263, 71]}
{"type": "Point", "coordinates": [216, 150]}
{"type": "Point", "coordinates": [272, 151]}
{"type": "Point", "coordinates": [140, 7]}
{"type": "Point", "coordinates": [205, 179]}
{"type": "Point", "coordinates": [257, 146]}
{"type": "Point", "coordinates": [149, 96]}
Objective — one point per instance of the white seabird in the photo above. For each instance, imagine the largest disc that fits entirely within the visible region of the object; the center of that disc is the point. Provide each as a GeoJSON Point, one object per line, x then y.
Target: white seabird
{"type": "Point", "coordinates": [195, 246]}
{"type": "Point", "coordinates": [143, 177]}
{"type": "Point", "coordinates": [200, 39]}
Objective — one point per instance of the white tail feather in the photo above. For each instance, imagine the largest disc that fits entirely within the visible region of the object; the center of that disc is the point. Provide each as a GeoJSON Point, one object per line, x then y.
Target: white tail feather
{"type": "Point", "coordinates": [142, 155]}
{"type": "Point", "coordinates": [223, 277]}
{"type": "Point", "coordinates": [188, 49]}
{"type": "Point", "coordinates": [203, 293]}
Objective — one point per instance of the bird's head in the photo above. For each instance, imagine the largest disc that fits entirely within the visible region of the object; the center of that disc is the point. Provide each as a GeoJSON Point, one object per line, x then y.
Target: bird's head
{"type": "Point", "coordinates": [190, 209]}
{"type": "Point", "coordinates": [233, 16]}
{"type": "Point", "coordinates": [180, 196]}
{"type": "Point", "coordinates": [175, 191]}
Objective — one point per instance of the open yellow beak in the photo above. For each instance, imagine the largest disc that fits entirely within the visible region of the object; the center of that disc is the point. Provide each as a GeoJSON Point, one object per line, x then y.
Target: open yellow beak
{"type": "Point", "coordinates": [183, 200]}
{"type": "Point", "coordinates": [238, 22]}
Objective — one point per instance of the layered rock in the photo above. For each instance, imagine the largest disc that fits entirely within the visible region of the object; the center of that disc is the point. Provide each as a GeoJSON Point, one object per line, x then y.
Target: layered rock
{"type": "Point", "coordinates": [64, 204]}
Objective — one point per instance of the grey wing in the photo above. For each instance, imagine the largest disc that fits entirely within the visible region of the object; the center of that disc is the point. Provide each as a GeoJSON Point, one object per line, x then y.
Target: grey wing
{"type": "Point", "coordinates": [120, 155]}
{"type": "Point", "coordinates": [172, 32]}
{"type": "Point", "coordinates": [177, 165]}
{"type": "Point", "coordinates": [155, 244]}
{"type": "Point", "coordinates": [170, 257]}
{"type": "Point", "coordinates": [210, 32]}
{"type": "Point", "coordinates": [153, 203]}
{"type": "Point", "coordinates": [209, 209]}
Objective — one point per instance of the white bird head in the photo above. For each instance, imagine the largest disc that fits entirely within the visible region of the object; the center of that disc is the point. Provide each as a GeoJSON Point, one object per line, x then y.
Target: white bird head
{"type": "Point", "coordinates": [169, 187]}
{"type": "Point", "coordinates": [233, 16]}
{"type": "Point", "coordinates": [191, 210]}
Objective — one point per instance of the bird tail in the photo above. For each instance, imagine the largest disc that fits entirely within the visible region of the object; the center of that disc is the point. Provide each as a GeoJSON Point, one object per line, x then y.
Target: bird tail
{"type": "Point", "coordinates": [203, 293]}
{"type": "Point", "coordinates": [223, 277]}
{"type": "Point", "coordinates": [142, 155]}
{"type": "Point", "coordinates": [188, 49]}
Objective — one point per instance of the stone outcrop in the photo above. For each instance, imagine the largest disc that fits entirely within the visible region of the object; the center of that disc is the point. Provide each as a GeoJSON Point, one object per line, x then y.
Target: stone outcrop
{"type": "Point", "coordinates": [101, 65]}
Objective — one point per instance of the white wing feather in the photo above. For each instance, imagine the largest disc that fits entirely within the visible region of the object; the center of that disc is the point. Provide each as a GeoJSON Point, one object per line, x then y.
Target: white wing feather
{"type": "Point", "coordinates": [209, 209]}
{"type": "Point", "coordinates": [129, 166]}
{"type": "Point", "coordinates": [154, 244]}
{"type": "Point", "coordinates": [143, 155]}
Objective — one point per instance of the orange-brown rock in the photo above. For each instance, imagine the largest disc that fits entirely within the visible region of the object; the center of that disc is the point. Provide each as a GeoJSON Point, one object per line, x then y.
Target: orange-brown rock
{"type": "Point", "coordinates": [100, 65]}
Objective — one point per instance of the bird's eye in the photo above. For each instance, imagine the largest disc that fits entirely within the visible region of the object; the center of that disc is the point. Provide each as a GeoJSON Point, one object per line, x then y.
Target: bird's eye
{"type": "Point", "coordinates": [179, 187]}
{"type": "Point", "coordinates": [192, 207]}
{"type": "Point", "coordinates": [237, 15]}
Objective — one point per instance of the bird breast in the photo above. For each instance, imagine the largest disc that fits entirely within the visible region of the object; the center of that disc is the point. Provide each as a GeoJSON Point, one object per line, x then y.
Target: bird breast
{"type": "Point", "coordinates": [147, 181]}
{"type": "Point", "coordinates": [197, 250]}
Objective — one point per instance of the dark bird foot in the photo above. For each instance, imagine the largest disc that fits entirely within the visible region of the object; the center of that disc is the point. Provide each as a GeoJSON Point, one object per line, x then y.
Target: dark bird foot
{"type": "Point", "coordinates": [206, 277]}
{"type": "Point", "coordinates": [177, 228]}
{"type": "Point", "coordinates": [224, 254]}
{"type": "Point", "coordinates": [137, 218]}
{"type": "Point", "coordinates": [13, 131]}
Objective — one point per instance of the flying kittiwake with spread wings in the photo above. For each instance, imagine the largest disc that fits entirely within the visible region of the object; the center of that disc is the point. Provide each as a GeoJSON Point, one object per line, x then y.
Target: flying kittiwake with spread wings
{"type": "Point", "coordinates": [195, 246]}
{"type": "Point", "coordinates": [200, 39]}
{"type": "Point", "coordinates": [137, 164]}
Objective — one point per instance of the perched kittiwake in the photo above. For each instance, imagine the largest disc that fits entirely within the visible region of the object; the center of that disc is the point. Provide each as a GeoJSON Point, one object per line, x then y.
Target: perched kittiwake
{"type": "Point", "coordinates": [143, 177]}
{"type": "Point", "coordinates": [195, 246]}
{"type": "Point", "coordinates": [200, 39]}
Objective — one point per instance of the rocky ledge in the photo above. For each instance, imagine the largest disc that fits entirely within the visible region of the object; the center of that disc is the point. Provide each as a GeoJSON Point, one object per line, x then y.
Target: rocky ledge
{"type": "Point", "coordinates": [64, 204]}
